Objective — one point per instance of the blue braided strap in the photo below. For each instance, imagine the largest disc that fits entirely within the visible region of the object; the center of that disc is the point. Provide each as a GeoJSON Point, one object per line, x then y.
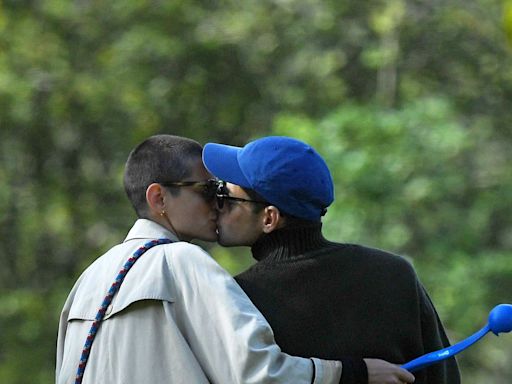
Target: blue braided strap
{"type": "Point", "coordinates": [106, 302]}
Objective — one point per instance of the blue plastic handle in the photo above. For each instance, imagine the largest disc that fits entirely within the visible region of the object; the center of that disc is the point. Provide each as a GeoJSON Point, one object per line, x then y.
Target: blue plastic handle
{"type": "Point", "coordinates": [445, 353]}
{"type": "Point", "coordinates": [500, 321]}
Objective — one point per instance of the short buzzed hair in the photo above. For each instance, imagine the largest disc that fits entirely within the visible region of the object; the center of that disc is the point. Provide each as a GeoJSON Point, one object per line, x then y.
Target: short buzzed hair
{"type": "Point", "coordinates": [158, 159]}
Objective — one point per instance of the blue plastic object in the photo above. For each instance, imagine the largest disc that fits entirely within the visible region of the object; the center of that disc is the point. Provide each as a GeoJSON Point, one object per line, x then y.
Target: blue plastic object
{"type": "Point", "coordinates": [500, 321]}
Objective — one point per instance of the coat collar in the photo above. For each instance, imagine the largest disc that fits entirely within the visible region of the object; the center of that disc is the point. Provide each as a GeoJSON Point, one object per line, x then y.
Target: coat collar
{"type": "Point", "coordinates": [148, 229]}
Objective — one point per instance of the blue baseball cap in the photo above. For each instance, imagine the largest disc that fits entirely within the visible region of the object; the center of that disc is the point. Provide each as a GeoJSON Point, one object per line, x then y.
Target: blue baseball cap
{"type": "Point", "coordinates": [286, 172]}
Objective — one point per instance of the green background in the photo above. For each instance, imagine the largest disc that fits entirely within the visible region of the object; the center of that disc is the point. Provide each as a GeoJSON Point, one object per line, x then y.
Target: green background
{"type": "Point", "coordinates": [408, 101]}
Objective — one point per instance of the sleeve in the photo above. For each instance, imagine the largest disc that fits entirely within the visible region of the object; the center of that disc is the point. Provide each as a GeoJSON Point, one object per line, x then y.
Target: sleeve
{"type": "Point", "coordinates": [61, 337]}
{"type": "Point", "coordinates": [434, 338]}
{"type": "Point", "coordinates": [229, 337]}
{"type": "Point", "coordinates": [63, 327]}
{"type": "Point", "coordinates": [355, 371]}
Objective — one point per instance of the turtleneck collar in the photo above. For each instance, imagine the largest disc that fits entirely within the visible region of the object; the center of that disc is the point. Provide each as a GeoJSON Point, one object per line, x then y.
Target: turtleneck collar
{"type": "Point", "coordinates": [286, 243]}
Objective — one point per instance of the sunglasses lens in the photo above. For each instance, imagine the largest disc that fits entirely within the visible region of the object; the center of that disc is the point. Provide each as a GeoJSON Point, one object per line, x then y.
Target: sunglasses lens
{"type": "Point", "coordinates": [221, 192]}
{"type": "Point", "coordinates": [209, 191]}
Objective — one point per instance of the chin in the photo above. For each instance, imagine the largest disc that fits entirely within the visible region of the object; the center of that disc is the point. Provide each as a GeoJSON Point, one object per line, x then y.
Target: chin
{"type": "Point", "coordinates": [210, 238]}
{"type": "Point", "coordinates": [225, 242]}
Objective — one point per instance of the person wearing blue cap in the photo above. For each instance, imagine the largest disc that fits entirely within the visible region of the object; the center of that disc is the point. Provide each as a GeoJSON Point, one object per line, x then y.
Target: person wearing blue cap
{"type": "Point", "coordinates": [157, 309]}
{"type": "Point", "coordinates": [321, 298]}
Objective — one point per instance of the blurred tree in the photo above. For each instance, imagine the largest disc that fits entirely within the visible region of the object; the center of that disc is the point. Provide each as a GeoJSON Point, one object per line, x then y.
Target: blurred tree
{"type": "Point", "coordinates": [408, 100]}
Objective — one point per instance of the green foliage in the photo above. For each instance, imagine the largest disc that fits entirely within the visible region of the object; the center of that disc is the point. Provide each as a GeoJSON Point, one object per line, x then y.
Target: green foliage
{"type": "Point", "coordinates": [407, 100]}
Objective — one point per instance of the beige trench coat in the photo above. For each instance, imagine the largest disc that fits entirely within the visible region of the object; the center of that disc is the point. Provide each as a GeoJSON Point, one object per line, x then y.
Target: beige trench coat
{"type": "Point", "coordinates": [177, 318]}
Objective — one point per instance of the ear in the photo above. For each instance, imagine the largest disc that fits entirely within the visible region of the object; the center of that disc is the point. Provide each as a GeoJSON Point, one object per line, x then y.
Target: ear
{"type": "Point", "coordinates": [272, 219]}
{"type": "Point", "coordinates": [155, 197]}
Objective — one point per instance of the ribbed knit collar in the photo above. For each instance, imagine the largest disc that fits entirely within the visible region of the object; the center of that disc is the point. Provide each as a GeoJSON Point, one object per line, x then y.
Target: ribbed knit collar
{"type": "Point", "coordinates": [286, 243]}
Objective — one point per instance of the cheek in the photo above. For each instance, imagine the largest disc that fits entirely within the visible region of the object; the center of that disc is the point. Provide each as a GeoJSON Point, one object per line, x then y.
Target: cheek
{"type": "Point", "coordinates": [195, 211]}
{"type": "Point", "coordinates": [228, 220]}
{"type": "Point", "coordinates": [236, 223]}
{"type": "Point", "coordinates": [223, 219]}
{"type": "Point", "coordinates": [200, 204]}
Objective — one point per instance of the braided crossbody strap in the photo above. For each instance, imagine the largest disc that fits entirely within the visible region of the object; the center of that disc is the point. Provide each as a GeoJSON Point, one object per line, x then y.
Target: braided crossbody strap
{"type": "Point", "coordinates": [106, 302]}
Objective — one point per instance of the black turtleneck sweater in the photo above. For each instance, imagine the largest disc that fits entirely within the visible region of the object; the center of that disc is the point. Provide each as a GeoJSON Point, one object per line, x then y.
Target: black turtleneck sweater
{"type": "Point", "coordinates": [332, 300]}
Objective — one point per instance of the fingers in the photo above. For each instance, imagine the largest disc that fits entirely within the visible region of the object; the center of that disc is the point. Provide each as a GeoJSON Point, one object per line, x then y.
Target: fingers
{"type": "Point", "coordinates": [405, 376]}
{"type": "Point", "coordinates": [382, 372]}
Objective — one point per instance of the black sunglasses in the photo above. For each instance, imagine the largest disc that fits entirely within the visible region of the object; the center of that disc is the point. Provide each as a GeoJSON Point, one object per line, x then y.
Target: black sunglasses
{"type": "Point", "coordinates": [222, 194]}
{"type": "Point", "coordinates": [207, 189]}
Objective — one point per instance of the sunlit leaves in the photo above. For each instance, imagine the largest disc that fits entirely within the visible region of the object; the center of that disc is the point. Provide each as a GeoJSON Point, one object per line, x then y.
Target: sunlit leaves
{"type": "Point", "coordinates": [409, 101]}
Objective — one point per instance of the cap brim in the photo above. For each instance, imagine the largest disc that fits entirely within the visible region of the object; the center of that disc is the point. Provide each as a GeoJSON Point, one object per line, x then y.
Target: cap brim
{"type": "Point", "coordinates": [222, 162]}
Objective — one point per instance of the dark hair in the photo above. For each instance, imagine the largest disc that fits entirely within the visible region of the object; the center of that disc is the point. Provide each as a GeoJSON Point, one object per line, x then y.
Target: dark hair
{"type": "Point", "coordinates": [290, 220]}
{"type": "Point", "coordinates": [158, 159]}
